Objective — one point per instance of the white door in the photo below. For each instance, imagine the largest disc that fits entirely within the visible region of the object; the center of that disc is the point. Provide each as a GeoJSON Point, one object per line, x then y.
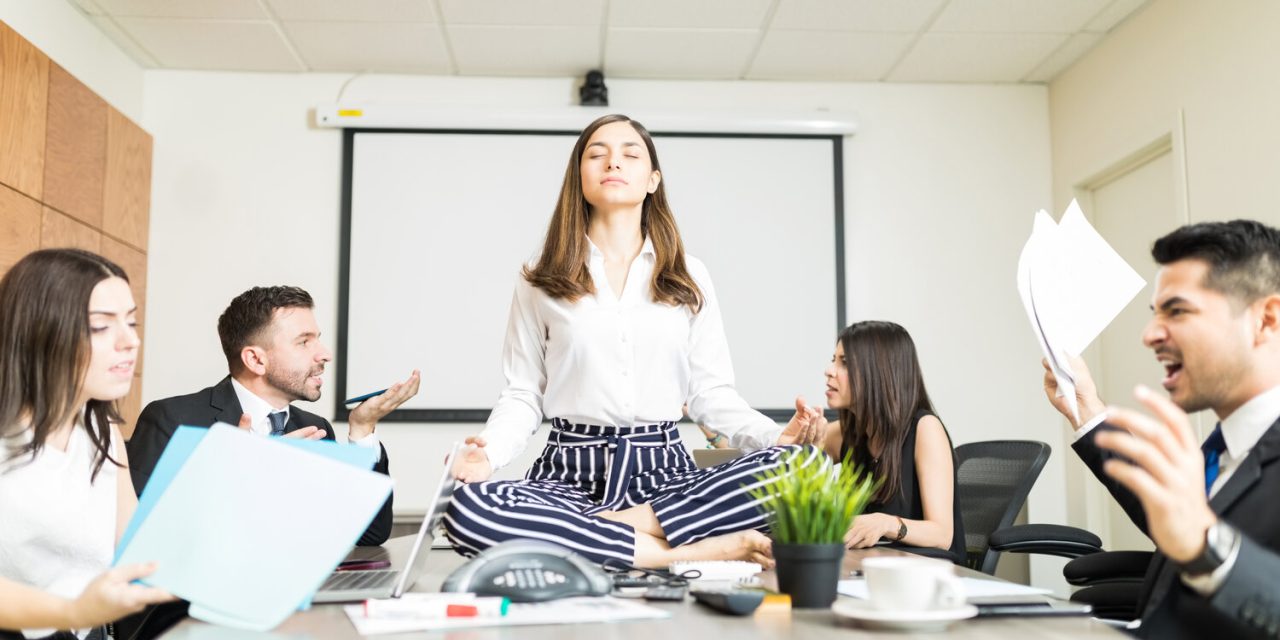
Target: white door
{"type": "Point", "coordinates": [1131, 211]}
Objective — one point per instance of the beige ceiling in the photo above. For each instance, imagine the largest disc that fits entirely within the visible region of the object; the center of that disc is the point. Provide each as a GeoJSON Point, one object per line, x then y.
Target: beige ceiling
{"type": "Point", "coordinates": [1001, 41]}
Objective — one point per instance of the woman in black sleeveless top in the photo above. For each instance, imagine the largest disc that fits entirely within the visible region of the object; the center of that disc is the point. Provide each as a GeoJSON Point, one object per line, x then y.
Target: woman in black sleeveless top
{"type": "Point", "coordinates": [888, 426]}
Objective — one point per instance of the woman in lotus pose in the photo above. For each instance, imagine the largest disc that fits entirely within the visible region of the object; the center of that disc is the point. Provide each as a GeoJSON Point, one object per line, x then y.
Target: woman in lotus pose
{"type": "Point", "coordinates": [612, 329]}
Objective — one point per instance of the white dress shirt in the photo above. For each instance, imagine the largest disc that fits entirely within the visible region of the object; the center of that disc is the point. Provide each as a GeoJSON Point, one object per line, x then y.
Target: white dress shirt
{"type": "Point", "coordinates": [619, 360]}
{"type": "Point", "coordinates": [258, 410]}
{"type": "Point", "coordinates": [1241, 430]}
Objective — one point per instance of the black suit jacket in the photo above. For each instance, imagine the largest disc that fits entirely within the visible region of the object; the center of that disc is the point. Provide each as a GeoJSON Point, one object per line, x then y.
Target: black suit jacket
{"type": "Point", "coordinates": [1247, 604]}
{"type": "Point", "coordinates": [219, 403]}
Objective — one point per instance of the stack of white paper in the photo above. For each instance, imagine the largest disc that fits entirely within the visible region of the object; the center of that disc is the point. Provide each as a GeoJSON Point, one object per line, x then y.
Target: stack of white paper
{"type": "Point", "coordinates": [564, 611]}
{"type": "Point", "coordinates": [1072, 284]}
{"type": "Point", "coordinates": [246, 528]}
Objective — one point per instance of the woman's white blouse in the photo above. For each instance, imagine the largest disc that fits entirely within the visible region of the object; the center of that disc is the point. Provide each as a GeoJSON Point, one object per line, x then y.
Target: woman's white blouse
{"type": "Point", "coordinates": [57, 529]}
{"type": "Point", "coordinates": [620, 360]}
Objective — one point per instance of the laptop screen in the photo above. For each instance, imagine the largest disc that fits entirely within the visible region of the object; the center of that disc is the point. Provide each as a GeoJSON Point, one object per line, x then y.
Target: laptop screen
{"type": "Point", "coordinates": [426, 533]}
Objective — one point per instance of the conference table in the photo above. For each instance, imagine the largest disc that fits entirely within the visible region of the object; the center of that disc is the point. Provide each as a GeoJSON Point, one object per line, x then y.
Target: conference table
{"type": "Point", "coordinates": [688, 619]}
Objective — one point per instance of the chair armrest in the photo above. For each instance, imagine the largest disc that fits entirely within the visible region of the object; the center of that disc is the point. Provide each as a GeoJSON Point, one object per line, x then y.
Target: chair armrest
{"type": "Point", "coordinates": [1046, 539]}
{"type": "Point", "coordinates": [1108, 567]}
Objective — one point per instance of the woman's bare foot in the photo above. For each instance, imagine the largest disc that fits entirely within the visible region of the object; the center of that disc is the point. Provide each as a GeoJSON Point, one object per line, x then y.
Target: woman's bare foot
{"type": "Point", "coordinates": [751, 546]}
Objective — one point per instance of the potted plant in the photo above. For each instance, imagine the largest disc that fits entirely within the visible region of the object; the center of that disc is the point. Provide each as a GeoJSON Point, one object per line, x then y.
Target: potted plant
{"type": "Point", "coordinates": [809, 508]}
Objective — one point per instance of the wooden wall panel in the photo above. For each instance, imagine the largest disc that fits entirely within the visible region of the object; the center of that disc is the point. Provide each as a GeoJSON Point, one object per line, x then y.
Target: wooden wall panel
{"type": "Point", "coordinates": [24, 94]}
{"type": "Point", "coordinates": [58, 230]}
{"type": "Point", "coordinates": [127, 193]}
{"type": "Point", "coordinates": [75, 155]}
{"type": "Point", "coordinates": [19, 227]}
{"type": "Point", "coordinates": [134, 263]}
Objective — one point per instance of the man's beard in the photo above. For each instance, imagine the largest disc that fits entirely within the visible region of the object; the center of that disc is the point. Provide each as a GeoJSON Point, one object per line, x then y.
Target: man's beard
{"type": "Point", "coordinates": [294, 383]}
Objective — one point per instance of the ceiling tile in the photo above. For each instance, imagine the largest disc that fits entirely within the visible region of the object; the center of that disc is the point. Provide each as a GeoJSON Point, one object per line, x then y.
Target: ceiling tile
{"type": "Point", "coordinates": [1016, 16]}
{"type": "Point", "coordinates": [121, 39]}
{"type": "Point", "coordinates": [854, 15]}
{"type": "Point", "coordinates": [827, 55]}
{"type": "Point", "coordinates": [964, 57]}
{"type": "Point", "coordinates": [525, 51]}
{"type": "Point", "coordinates": [362, 11]}
{"type": "Point", "coordinates": [523, 12]}
{"type": "Point", "coordinates": [690, 14]}
{"type": "Point", "coordinates": [200, 44]}
{"type": "Point", "coordinates": [370, 46]}
{"type": "Point", "coordinates": [1113, 15]}
{"type": "Point", "coordinates": [678, 53]}
{"type": "Point", "coordinates": [221, 9]}
{"type": "Point", "coordinates": [1075, 47]}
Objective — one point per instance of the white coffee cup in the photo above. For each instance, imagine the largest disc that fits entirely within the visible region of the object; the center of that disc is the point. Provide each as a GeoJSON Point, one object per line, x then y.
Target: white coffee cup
{"type": "Point", "coordinates": [912, 584]}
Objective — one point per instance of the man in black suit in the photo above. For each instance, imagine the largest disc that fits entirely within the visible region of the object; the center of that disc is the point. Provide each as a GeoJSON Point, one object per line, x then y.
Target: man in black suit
{"type": "Point", "coordinates": [272, 344]}
{"type": "Point", "coordinates": [1211, 510]}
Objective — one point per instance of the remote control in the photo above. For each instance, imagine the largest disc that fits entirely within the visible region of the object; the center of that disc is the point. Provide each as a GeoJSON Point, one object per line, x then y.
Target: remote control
{"type": "Point", "coordinates": [738, 602]}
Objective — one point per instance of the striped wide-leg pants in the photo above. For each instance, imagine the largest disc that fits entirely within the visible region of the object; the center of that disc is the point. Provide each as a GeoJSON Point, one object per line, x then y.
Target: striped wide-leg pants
{"type": "Point", "coordinates": [588, 469]}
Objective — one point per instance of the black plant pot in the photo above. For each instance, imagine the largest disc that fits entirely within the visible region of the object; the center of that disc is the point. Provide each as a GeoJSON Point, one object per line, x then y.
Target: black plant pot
{"type": "Point", "coordinates": [809, 573]}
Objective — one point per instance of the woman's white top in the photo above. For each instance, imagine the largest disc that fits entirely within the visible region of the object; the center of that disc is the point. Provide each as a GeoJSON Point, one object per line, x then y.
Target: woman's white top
{"type": "Point", "coordinates": [620, 360]}
{"type": "Point", "coordinates": [57, 529]}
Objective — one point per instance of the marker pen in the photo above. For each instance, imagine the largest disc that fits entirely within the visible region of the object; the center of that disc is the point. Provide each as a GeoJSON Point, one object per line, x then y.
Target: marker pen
{"type": "Point", "coordinates": [437, 608]}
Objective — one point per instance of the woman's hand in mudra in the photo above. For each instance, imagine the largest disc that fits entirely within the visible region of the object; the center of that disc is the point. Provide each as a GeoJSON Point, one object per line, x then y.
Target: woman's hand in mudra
{"type": "Point", "coordinates": [807, 426]}
{"type": "Point", "coordinates": [473, 464]}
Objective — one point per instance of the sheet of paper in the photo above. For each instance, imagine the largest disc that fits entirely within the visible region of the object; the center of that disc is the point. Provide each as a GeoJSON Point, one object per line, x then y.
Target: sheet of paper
{"type": "Point", "coordinates": [248, 527]}
{"type": "Point", "coordinates": [184, 441]}
{"type": "Point", "coordinates": [565, 611]}
{"type": "Point", "coordinates": [1072, 284]}
{"type": "Point", "coordinates": [973, 588]}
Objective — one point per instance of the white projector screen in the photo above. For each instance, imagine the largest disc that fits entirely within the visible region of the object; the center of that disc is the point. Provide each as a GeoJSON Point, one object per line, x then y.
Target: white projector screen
{"type": "Point", "coordinates": [436, 225]}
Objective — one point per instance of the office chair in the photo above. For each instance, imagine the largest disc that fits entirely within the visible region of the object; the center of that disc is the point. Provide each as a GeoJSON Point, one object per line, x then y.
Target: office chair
{"type": "Point", "coordinates": [1110, 581]}
{"type": "Point", "coordinates": [993, 479]}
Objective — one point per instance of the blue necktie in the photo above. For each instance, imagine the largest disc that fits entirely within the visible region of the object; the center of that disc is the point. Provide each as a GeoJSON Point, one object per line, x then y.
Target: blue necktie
{"type": "Point", "coordinates": [1213, 447]}
{"type": "Point", "coordinates": [278, 418]}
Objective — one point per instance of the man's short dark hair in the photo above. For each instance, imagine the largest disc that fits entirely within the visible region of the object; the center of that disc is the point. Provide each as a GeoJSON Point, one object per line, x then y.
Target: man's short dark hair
{"type": "Point", "coordinates": [1243, 256]}
{"type": "Point", "coordinates": [249, 314]}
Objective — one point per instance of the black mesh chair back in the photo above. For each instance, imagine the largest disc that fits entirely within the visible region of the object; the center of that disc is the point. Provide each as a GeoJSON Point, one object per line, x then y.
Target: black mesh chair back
{"type": "Point", "coordinates": [992, 481]}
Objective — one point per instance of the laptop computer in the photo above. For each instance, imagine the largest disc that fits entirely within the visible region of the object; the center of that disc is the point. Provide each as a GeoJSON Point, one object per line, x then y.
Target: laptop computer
{"type": "Point", "coordinates": [352, 586]}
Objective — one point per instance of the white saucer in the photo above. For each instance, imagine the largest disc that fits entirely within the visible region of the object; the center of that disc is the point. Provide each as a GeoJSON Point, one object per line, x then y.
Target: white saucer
{"type": "Point", "coordinates": [863, 613]}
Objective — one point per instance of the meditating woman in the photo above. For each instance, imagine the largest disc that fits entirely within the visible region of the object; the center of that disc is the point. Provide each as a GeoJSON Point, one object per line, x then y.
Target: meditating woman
{"type": "Point", "coordinates": [612, 329]}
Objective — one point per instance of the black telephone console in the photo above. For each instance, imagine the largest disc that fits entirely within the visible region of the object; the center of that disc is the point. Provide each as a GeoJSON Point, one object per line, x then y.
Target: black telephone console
{"type": "Point", "coordinates": [529, 571]}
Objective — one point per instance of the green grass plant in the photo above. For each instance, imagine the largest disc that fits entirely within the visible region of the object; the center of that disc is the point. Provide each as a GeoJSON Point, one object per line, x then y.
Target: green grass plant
{"type": "Point", "coordinates": [812, 503]}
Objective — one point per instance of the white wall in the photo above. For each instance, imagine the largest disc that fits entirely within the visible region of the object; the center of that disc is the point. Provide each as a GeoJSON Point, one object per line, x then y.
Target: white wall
{"type": "Point", "coordinates": [74, 43]}
{"type": "Point", "coordinates": [941, 182]}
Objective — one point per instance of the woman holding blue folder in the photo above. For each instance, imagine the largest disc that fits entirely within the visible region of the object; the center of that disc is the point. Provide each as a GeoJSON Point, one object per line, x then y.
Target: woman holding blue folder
{"type": "Point", "coordinates": [68, 346]}
{"type": "Point", "coordinates": [611, 331]}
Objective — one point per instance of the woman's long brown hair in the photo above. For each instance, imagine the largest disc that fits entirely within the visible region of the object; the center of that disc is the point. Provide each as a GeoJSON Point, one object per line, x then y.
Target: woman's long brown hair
{"type": "Point", "coordinates": [45, 352]}
{"type": "Point", "coordinates": [887, 392]}
{"type": "Point", "coordinates": [561, 270]}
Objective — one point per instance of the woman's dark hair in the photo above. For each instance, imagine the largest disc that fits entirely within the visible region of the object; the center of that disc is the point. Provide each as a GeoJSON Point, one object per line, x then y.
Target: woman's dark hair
{"type": "Point", "coordinates": [562, 271]}
{"type": "Point", "coordinates": [886, 393]}
{"type": "Point", "coordinates": [45, 351]}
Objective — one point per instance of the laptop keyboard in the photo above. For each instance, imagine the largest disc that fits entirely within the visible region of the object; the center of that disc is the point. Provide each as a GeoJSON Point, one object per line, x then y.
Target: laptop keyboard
{"type": "Point", "coordinates": [351, 580]}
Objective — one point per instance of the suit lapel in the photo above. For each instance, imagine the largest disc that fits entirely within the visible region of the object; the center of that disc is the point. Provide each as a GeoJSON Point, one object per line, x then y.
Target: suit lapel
{"type": "Point", "coordinates": [1250, 470]}
{"type": "Point", "coordinates": [225, 403]}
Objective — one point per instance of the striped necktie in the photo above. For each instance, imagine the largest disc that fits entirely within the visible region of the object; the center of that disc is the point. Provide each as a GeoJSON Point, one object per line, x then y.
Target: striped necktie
{"type": "Point", "coordinates": [1213, 447]}
{"type": "Point", "coordinates": [278, 418]}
